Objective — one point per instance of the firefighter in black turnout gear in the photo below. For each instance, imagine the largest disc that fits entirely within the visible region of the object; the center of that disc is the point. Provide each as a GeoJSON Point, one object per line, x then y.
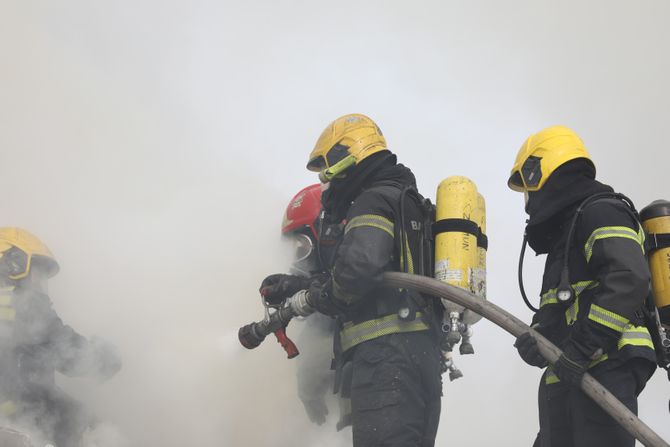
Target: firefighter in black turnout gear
{"type": "Point", "coordinates": [34, 344]}
{"type": "Point", "coordinates": [385, 333]}
{"type": "Point", "coordinates": [596, 280]}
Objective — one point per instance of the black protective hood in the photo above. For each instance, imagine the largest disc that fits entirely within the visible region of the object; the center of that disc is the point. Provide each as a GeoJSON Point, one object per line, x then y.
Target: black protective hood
{"type": "Point", "coordinates": [551, 207]}
{"type": "Point", "coordinates": [377, 169]}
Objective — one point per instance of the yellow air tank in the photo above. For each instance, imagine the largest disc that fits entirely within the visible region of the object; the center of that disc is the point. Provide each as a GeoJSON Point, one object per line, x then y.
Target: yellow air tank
{"type": "Point", "coordinates": [459, 215]}
{"type": "Point", "coordinates": [656, 223]}
{"type": "Point", "coordinates": [478, 285]}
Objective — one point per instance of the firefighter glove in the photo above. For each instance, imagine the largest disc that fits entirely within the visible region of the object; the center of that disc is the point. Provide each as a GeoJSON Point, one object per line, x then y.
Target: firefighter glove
{"type": "Point", "coordinates": [571, 365]}
{"type": "Point", "coordinates": [316, 410]}
{"type": "Point", "coordinates": [276, 288]}
{"type": "Point", "coordinates": [108, 358]}
{"type": "Point", "coordinates": [528, 350]}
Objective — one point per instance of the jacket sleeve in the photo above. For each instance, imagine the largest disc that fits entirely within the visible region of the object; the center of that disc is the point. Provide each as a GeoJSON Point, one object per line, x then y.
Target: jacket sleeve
{"type": "Point", "coordinates": [366, 250]}
{"type": "Point", "coordinates": [69, 352]}
{"type": "Point", "coordinates": [613, 246]}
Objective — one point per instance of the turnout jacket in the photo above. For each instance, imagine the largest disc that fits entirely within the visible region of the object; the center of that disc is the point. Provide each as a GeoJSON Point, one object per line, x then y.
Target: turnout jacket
{"type": "Point", "coordinates": [369, 244]}
{"type": "Point", "coordinates": [34, 344]}
{"type": "Point", "coordinates": [610, 278]}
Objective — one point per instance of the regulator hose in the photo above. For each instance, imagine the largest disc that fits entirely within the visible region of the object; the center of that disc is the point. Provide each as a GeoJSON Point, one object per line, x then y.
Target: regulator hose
{"type": "Point", "coordinates": [522, 255]}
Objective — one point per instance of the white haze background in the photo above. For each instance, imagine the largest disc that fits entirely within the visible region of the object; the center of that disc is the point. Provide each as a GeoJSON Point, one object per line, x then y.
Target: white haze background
{"type": "Point", "coordinates": [154, 144]}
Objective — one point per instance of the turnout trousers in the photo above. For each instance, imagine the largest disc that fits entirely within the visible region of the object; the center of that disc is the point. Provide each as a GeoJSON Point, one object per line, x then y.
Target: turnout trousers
{"type": "Point", "coordinates": [569, 418]}
{"type": "Point", "coordinates": [396, 391]}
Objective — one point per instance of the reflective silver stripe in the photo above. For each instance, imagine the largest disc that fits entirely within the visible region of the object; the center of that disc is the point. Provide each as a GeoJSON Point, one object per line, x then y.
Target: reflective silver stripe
{"type": "Point", "coordinates": [370, 220]}
{"type": "Point", "coordinates": [548, 297]}
{"type": "Point", "coordinates": [608, 232]}
{"type": "Point", "coordinates": [607, 318]}
{"type": "Point", "coordinates": [635, 336]}
{"type": "Point", "coordinates": [353, 334]}
{"type": "Point", "coordinates": [631, 336]}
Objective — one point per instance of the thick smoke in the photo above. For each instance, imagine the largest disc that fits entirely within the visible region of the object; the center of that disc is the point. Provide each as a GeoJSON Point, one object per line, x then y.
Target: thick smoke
{"type": "Point", "coordinates": [153, 146]}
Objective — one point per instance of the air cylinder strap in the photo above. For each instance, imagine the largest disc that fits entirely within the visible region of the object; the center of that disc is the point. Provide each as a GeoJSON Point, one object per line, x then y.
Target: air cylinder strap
{"type": "Point", "coordinates": [462, 226]}
{"type": "Point", "coordinates": [656, 241]}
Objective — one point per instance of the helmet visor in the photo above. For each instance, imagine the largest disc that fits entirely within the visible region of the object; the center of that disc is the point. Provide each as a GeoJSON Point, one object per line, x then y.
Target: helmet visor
{"type": "Point", "coordinates": [317, 164]}
{"type": "Point", "coordinates": [528, 177]}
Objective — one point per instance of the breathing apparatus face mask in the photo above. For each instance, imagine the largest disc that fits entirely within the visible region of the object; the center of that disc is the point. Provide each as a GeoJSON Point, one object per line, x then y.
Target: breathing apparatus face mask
{"type": "Point", "coordinates": [304, 259]}
{"type": "Point", "coordinates": [302, 247]}
{"type": "Point", "coordinates": [14, 264]}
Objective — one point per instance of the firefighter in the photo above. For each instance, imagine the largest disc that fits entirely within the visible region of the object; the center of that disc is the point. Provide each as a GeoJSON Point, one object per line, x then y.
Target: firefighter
{"type": "Point", "coordinates": [34, 344]}
{"type": "Point", "coordinates": [384, 332]}
{"type": "Point", "coordinates": [314, 376]}
{"type": "Point", "coordinates": [595, 283]}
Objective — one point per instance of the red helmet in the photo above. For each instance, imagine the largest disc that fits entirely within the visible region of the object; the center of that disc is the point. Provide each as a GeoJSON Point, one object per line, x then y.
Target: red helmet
{"type": "Point", "coordinates": [302, 212]}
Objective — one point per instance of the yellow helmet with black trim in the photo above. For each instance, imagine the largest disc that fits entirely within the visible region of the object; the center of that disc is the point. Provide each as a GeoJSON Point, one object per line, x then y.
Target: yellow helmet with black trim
{"type": "Point", "coordinates": [541, 154]}
{"type": "Point", "coordinates": [346, 142]}
{"type": "Point", "coordinates": [19, 249]}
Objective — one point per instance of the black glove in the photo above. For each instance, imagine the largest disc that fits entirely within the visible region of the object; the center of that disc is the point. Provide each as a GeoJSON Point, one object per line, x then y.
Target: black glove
{"type": "Point", "coordinates": [316, 410]}
{"type": "Point", "coordinates": [276, 288]}
{"type": "Point", "coordinates": [528, 350]}
{"type": "Point", "coordinates": [572, 365]}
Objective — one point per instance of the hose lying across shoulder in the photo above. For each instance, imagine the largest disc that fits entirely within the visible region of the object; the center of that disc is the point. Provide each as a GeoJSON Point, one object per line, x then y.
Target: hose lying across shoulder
{"type": "Point", "coordinates": [590, 386]}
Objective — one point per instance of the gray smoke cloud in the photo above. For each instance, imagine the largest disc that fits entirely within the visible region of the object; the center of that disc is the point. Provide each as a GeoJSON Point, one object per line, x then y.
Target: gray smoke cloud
{"type": "Point", "coordinates": [154, 144]}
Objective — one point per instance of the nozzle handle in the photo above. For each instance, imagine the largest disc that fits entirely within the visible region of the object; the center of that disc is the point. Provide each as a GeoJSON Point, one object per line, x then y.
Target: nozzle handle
{"type": "Point", "coordinates": [286, 343]}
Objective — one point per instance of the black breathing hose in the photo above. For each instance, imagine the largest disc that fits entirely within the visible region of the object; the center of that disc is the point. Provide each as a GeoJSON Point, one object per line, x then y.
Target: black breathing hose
{"type": "Point", "coordinates": [521, 289]}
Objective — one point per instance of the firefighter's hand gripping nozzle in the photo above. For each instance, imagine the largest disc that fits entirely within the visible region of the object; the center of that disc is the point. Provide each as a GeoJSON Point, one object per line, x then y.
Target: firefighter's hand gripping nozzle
{"type": "Point", "coordinates": [276, 319]}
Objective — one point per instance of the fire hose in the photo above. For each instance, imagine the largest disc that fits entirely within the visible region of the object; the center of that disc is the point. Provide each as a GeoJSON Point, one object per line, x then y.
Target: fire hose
{"type": "Point", "coordinates": [253, 334]}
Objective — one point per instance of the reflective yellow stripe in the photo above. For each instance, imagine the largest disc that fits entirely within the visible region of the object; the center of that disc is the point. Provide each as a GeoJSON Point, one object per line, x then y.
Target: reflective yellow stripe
{"type": "Point", "coordinates": [608, 232]}
{"type": "Point", "coordinates": [549, 297]}
{"type": "Point", "coordinates": [571, 313]}
{"type": "Point", "coordinates": [8, 408]}
{"type": "Point", "coordinates": [410, 261]}
{"type": "Point", "coordinates": [370, 220]}
{"type": "Point", "coordinates": [353, 334]}
{"type": "Point", "coordinates": [550, 377]}
{"type": "Point", "coordinates": [635, 336]}
{"type": "Point", "coordinates": [6, 300]}
{"type": "Point", "coordinates": [631, 336]}
{"type": "Point", "coordinates": [7, 314]}
{"type": "Point", "coordinates": [607, 318]}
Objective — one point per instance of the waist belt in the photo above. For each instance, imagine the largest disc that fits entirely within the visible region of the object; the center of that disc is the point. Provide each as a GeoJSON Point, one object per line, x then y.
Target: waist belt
{"type": "Point", "coordinates": [354, 334]}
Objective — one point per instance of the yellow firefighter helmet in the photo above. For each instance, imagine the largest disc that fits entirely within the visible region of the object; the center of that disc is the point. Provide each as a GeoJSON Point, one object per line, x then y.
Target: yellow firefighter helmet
{"type": "Point", "coordinates": [24, 248]}
{"type": "Point", "coordinates": [346, 142]}
{"type": "Point", "coordinates": [541, 154]}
